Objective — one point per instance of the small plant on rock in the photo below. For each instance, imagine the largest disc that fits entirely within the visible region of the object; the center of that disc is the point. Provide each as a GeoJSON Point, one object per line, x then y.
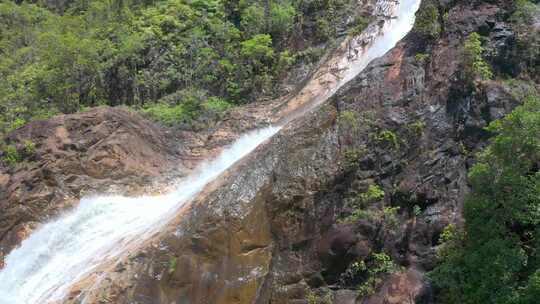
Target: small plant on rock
{"type": "Point", "coordinates": [427, 21]}
{"type": "Point", "coordinates": [475, 64]}
{"type": "Point", "coordinates": [389, 138]}
{"type": "Point", "coordinates": [374, 193]}
{"type": "Point", "coordinates": [381, 265]}
{"type": "Point", "coordinates": [11, 155]}
{"type": "Point", "coordinates": [421, 58]}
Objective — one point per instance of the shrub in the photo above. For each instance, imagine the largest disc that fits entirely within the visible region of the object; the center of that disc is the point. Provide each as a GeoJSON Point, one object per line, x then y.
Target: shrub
{"type": "Point", "coordinates": [11, 155]}
{"type": "Point", "coordinates": [374, 193]}
{"type": "Point", "coordinates": [281, 18]}
{"type": "Point", "coordinates": [371, 271]}
{"type": "Point", "coordinates": [216, 105]}
{"type": "Point", "coordinates": [427, 21]}
{"type": "Point", "coordinates": [29, 148]}
{"type": "Point", "coordinates": [313, 298]}
{"type": "Point", "coordinates": [525, 12]}
{"type": "Point", "coordinates": [475, 64]}
{"type": "Point", "coordinates": [359, 25]}
{"type": "Point", "coordinates": [388, 137]}
{"type": "Point", "coordinates": [258, 48]}
{"type": "Point", "coordinates": [253, 20]}
{"type": "Point", "coordinates": [324, 31]}
{"type": "Point", "coordinates": [173, 262]}
{"type": "Point", "coordinates": [348, 119]}
{"type": "Point", "coordinates": [351, 157]}
{"type": "Point", "coordinates": [168, 114]}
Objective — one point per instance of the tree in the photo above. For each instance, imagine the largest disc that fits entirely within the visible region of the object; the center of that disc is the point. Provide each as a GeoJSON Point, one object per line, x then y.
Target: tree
{"type": "Point", "coordinates": [496, 257]}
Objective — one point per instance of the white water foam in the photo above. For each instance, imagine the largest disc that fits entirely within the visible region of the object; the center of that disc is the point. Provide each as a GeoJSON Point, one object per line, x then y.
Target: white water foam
{"type": "Point", "coordinates": [55, 256]}
{"type": "Point", "coordinates": [393, 31]}
{"type": "Point", "coordinates": [42, 269]}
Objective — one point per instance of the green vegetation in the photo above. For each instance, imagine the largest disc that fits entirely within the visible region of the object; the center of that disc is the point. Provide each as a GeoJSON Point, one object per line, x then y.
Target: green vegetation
{"type": "Point", "coordinates": [421, 58]}
{"type": "Point", "coordinates": [495, 257]}
{"type": "Point", "coordinates": [416, 128]}
{"type": "Point", "coordinates": [348, 119]}
{"type": "Point", "coordinates": [381, 265]}
{"type": "Point", "coordinates": [360, 24]}
{"type": "Point", "coordinates": [388, 138]}
{"type": "Point", "coordinates": [374, 193]}
{"type": "Point", "coordinates": [370, 272]}
{"type": "Point", "coordinates": [351, 157]}
{"type": "Point", "coordinates": [427, 21]}
{"type": "Point", "coordinates": [386, 217]}
{"type": "Point", "coordinates": [173, 262]}
{"type": "Point", "coordinates": [11, 155]}
{"type": "Point", "coordinates": [61, 57]}
{"type": "Point", "coordinates": [313, 298]}
{"type": "Point", "coordinates": [528, 35]}
{"type": "Point", "coordinates": [363, 209]}
{"type": "Point", "coordinates": [525, 12]}
{"type": "Point", "coordinates": [475, 65]}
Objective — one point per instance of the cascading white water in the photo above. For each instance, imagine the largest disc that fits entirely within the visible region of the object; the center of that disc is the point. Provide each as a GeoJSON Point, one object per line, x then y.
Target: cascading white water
{"type": "Point", "coordinates": [394, 30]}
{"type": "Point", "coordinates": [66, 249]}
{"type": "Point", "coordinates": [395, 19]}
{"type": "Point", "coordinates": [55, 256]}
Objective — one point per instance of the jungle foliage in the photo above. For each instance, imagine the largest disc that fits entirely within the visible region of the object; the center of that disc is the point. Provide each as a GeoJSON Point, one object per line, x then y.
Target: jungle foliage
{"type": "Point", "coordinates": [171, 58]}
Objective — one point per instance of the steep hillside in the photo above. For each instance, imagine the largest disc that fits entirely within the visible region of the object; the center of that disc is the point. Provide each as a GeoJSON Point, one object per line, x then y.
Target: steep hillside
{"type": "Point", "coordinates": [377, 195]}
{"type": "Point", "coordinates": [348, 204]}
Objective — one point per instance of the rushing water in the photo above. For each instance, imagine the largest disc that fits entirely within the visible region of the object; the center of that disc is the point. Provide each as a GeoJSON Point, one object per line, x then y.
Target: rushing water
{"type": "Point", "coordinates": [71, 246]}
{"type": "Point", "coordinates": [42, 269]}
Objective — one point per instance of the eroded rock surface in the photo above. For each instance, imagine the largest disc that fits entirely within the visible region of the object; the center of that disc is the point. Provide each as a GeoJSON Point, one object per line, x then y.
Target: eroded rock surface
{"type": "Point", "coordinates": [274, 228]}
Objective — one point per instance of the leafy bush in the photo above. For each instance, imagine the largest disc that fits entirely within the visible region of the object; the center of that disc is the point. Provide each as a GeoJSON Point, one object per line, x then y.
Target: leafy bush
{"type": "Point", "coordinates": [29, 148]}
{"type": "Point", "coordinates": [351, 157]}
{"type": "Point", "coordinates": [168, 114]}
{"type": "Point", "coordinates": [374, 193]}
{"type": "Point", "coordinates": [173, 263]}
{"type": "Point", "coordinates": [359, 25]}
{"type": "Point", "coordinates": [382, 265]}
{"type": "Point", "coordinates": [216, 105]}
{"type": "Point", "coordinates": [475, 64]}
{"type": "Point", "coordinates": [525, 12]}
{"type": "Point", "coordinates": [388, 138]}
{"type": "Point", "coordinates": [528, 34]}
{"type": "Point", "coordinates": [11, 155]}
{"type": "Point", "coordinates": [253, 20]}
{"type": "Point", "coordinates": [427, 21]}
{"type": "Point", "coordinates": [370, 271]}
{"type": "Point", "coordinates": [258, 48]}
{"type": "Point", "coordinates": [281, 18]}
{"type": "Point", "coordinates": [349, 120]}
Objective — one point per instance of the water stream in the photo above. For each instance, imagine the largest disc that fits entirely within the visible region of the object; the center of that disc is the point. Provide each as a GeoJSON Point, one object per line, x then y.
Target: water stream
{"type": "Point", "coordinates": [66, 249]}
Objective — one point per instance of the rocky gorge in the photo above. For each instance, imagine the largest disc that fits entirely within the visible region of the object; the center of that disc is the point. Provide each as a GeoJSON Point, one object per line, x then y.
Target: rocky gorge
{"type": "Point", "coordinates": [281, 226]}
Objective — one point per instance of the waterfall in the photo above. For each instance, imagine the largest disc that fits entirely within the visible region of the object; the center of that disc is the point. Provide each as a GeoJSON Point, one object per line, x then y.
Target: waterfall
{"type": "Point", "coordinates": [64, 250]}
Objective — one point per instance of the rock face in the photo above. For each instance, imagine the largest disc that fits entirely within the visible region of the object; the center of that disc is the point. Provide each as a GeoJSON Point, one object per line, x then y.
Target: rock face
{"type": "Point", "coordinates": [77, 154]}
{"type": "Point", "coordinates": [276, 227]}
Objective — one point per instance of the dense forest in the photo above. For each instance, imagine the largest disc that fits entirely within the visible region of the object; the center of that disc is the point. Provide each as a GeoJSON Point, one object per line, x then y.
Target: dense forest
{"type": "Point", "coordinates": [173, 59]}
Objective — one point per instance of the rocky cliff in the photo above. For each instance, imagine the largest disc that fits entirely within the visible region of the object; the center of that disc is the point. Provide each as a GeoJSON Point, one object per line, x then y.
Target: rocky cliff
{"type": "Point", "coordinates": [345, 205]}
